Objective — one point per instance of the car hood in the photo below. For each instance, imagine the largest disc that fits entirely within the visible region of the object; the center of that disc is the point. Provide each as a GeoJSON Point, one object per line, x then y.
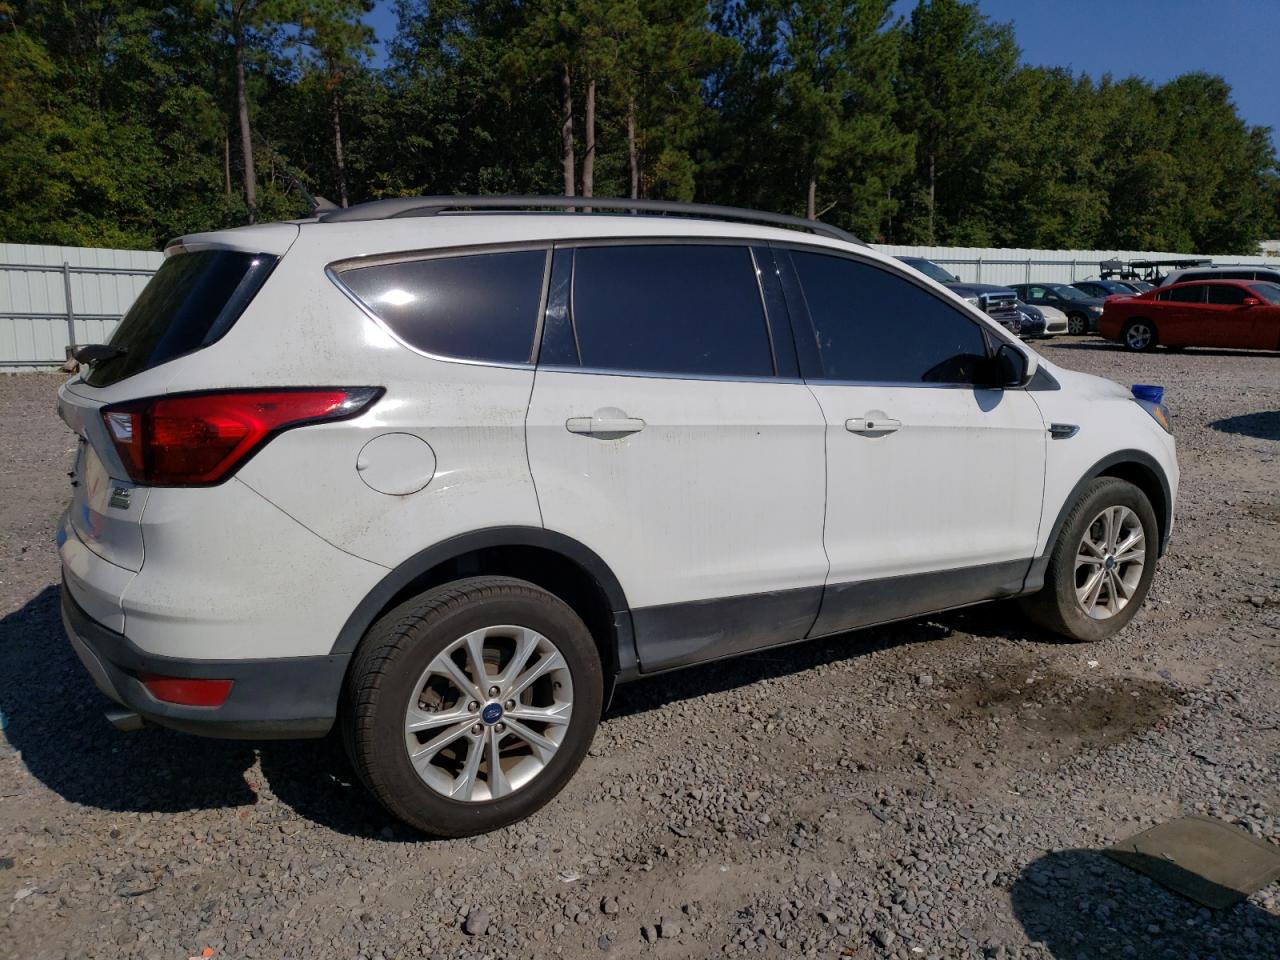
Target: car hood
{"type": "Point", "coordinates": [978, 289]}
{"type": "Point", "coordinates": [1088, 387]}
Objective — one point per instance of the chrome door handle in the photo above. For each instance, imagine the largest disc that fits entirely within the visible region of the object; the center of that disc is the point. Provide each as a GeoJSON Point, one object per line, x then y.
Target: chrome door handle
{"type": "Point", "coordinates": [604, 428]}
{"type": "Point", "coordinates": [872, 425]}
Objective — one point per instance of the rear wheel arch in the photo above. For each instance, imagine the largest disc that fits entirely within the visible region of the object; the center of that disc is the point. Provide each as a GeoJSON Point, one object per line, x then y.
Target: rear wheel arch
{"type": "Point", "coordinates": [1145, 321]}
{"type": "Point", "coordinates": [558, 564]}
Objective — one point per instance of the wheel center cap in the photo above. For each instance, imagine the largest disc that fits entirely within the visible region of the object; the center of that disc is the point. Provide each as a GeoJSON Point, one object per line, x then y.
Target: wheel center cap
{"type": "Point", "coordinates": [491, 713]}
{"type": "Point", "coordinates": [1108, 563]}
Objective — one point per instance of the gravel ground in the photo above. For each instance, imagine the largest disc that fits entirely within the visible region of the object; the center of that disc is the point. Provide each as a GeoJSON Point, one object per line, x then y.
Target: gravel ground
{"type": "Point", "coordinates": [938, 788]}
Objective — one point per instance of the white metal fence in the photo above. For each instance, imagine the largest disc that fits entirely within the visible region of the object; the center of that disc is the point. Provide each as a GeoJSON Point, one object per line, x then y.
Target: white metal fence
{"type": "Point", "coordinates": [1008, 266]}
{"type": "Point", "coordinates": [54, 297]}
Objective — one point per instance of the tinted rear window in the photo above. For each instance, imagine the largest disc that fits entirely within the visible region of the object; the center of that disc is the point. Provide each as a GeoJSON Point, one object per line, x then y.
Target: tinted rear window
{"type": "Point", "coordinates": [481, 306]}
{"type": "Point", "coordinates": [193, 300]}
{"type": "Point", "coordinates": [691, 309]}
{"type": "Point", "coordinates": [1193, 294]}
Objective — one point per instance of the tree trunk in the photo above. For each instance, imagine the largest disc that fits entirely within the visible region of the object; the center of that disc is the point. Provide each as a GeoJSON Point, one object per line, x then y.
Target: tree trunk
{"type": "Point", "coordinates": [566, 130]}
{"type": "Point", "coordinates": [811, 201]}
{"type": "Point", "coordinates": [226, 163]}
{"type": "Point", "coordinates": [932, 197]}
{"type": "Point", "coordinates": [589, 160]}
{"type": "Point", "coordinates": [633, 156]}
{"type": "Point", "coordinates": [338, 155]}
{"type": "Point", "coordinates": [246, 133]}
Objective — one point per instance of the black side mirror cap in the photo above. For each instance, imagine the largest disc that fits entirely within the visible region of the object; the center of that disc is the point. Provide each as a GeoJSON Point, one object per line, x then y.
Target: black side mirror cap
{"type": "Point", "coordinates": [1010, 367]}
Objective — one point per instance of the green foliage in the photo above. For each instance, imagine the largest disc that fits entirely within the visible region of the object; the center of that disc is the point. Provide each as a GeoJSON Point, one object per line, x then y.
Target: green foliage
{"type": "Point", "coordinates": [120, 123]}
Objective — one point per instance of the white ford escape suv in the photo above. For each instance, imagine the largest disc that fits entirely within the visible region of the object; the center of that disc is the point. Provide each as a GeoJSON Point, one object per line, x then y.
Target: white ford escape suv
{"type": "Point", "coordinates": [443, 472]}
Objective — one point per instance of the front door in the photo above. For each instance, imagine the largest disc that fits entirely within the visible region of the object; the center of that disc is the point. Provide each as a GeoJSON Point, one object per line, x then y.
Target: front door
{"type": "Point", "coordinates": [1226, 321]}
{"type": "Point", "coordinates": [662, 437]}
{"type": "Point", "coordinates": [934, 484]}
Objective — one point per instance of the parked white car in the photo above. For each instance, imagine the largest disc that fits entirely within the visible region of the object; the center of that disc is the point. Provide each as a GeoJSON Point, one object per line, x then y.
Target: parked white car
{"type": "Point", "coordinates": [445, 477]}
{"type": "Point", "coordinates": [1055, 320]}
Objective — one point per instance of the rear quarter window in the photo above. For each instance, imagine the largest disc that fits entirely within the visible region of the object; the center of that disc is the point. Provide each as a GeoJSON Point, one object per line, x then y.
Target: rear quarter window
{"type": "Point", "coordinates": [479, 306]}
{"type": "Point", "coordinates": [191, 302]}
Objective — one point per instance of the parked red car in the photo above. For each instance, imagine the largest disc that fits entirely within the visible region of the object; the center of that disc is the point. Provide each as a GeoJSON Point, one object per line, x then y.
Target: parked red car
{"type": "Point", "coordinates": [1207, 313]}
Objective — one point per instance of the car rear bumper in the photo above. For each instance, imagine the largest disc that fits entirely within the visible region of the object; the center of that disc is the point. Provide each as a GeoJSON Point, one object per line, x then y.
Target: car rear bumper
{"type": "Point", "coordinates": [282, 698]}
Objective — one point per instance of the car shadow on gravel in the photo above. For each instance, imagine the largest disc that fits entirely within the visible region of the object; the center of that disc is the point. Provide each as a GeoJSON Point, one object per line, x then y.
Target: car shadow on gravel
{"type": "Point", "coordinates": [1080, 903]}
{"type": "Point", "coordinates": [53, 715]}
{"type": "Point", "coordinates": [1264, 425]}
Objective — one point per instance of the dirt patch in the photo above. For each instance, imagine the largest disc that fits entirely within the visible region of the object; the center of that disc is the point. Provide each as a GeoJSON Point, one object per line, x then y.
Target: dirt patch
{"type": "Point", "coordinates": [1055, 709]}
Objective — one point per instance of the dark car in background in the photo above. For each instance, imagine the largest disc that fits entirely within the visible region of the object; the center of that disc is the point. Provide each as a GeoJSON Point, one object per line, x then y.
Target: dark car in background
{"type": "Point", "coordinates": [999, 303]}
{"type": "Point", "coordinates": [1103, 288]}
{"type": "Point", "coordinates": [1081, 309]}
{"type": "Point", "coordinates": [1137, 286]}
{"type": "Point", "coordinates": [1034, 324]}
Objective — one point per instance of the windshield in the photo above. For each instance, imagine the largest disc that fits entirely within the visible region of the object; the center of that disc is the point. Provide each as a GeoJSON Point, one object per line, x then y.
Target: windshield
{"type": "Point", "coordinates": [931, 270]}
{"type": "Point", "coordinates": [1269, 292]}
{"type": "Point", "coordinates": [1068, 293]}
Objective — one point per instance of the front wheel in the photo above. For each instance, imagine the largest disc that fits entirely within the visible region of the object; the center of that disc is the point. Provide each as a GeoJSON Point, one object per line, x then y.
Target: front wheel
{"type": "Point", "coordinates": [471, 705]}
{"type": "Point", "coordinates": [1138, 336]}
{"type": "Point", "coordinates": [1077, 325]}
{"type": "Point", "coordinates": [1101, 566]}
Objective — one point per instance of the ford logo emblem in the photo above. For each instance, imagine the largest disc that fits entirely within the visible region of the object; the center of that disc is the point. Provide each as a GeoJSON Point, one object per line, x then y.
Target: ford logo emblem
{"type": "Point", "coordinates": [492, 713]}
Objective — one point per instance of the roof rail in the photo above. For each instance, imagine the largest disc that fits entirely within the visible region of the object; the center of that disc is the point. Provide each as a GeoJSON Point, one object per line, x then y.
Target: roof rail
{"type": "Point", "coordinates": [430, 206]}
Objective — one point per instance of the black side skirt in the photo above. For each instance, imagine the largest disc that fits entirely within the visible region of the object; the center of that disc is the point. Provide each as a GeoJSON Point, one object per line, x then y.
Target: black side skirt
{"type": "Point", "coordinates": [683, 634]}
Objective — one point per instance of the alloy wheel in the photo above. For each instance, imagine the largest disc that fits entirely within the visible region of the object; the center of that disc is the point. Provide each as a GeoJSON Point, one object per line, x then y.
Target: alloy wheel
{"type": "Point", "coordinates": [1109, 562]}
{"type": "Point", "coordinates": [489, 713]}
{"type": "Point", "coordinates": [1138, 336]}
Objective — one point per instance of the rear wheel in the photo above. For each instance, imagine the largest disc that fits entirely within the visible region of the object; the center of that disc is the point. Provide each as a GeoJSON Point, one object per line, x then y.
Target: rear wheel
{"type": "Point", "coordinates": [471, 706]}
{"type": "Point", "coordinates": [1077, 324]}
{"type": "Point", "coordinates": [1101, 566]}
{"type": "Point", "coordinates": [1138, 335]}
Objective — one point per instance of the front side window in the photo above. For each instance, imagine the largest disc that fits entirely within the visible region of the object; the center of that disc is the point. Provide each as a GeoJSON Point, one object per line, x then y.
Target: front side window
{"type": "Point", "coordinates": [1269, 292]}
{"type": "Point", "coordinates": [1227, 296]}
{"type": "Point", "coordinates": [481, 306]}
{"type": "Point", "coordinates": [873, 325]}
{"type": "Point", "coordinates": [682, 309]}
{"type": "Point", "coordinates": [1193, 293]}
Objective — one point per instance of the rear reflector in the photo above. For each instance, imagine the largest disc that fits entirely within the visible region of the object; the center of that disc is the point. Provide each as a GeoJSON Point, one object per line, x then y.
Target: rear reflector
{"type": "Point", "coordinates": [187, 691]}
{"type": "Point", "coordinates": [199, 439]}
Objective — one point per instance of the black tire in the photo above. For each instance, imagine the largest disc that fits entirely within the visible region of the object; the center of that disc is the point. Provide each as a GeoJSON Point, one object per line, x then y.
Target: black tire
{"type": "Point", "coordinates": [1077, 324]}
{"type": "Point", "coordinates": [1055, 607]}
{"type": "Point", "coordinates": [1137, 344]}
{"type": "Point", "coordinates": [393, 656]}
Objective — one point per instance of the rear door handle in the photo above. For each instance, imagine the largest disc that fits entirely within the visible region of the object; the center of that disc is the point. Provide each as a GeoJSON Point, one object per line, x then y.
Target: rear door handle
{"type": "Point", "coordinates": [604, 428]}
{"type": "Point", "coordinates": [872, 425]}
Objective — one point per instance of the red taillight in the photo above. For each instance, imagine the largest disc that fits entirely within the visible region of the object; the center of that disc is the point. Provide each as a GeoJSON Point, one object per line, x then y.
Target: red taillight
{"type": "Point", "coordinates": [197, 439]}
{"type": "Point", "coordinates": [187, 691]}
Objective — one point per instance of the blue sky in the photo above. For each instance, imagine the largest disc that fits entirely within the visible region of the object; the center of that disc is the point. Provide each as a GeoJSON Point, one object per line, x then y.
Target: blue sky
{"type": "Point", "coordinates": [1156, 39]}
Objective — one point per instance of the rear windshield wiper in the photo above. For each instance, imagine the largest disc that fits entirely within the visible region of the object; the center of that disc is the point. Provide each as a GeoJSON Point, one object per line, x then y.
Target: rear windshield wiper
{"type": "Point", "coordinates": [92, 353]}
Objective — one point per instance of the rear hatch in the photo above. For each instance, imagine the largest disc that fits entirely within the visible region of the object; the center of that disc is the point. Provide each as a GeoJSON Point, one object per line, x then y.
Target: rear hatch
{"type": "Point", "coordinates": [193, 300]}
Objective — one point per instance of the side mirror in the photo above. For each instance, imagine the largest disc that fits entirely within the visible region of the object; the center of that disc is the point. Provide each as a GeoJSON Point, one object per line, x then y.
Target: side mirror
{"type": "Point", "coordinates": [1011, 367]}
{"type": "Point", "coordinates": [1252, 302]}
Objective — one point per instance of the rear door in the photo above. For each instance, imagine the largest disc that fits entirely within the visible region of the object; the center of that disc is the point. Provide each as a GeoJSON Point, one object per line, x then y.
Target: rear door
{"type": "Point", "coordinates": [934, 484]}
{"type": "Point", "coordinates": [1180, 317]}
{"type": "Point", "coordinates": [669, 432]}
